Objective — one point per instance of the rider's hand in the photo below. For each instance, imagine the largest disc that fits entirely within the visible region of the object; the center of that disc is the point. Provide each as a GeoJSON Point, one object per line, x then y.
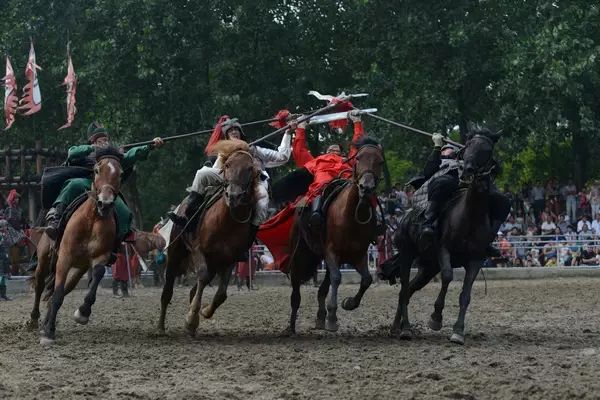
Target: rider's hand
{"type": "Point", "coordinates": [438, 139]}
{"type": "Point", "coordinates": [293, 124]}
{"type": "Point", "coordinates": [354, 116]}
{"type": "Point", "coordinates": [158, 142]}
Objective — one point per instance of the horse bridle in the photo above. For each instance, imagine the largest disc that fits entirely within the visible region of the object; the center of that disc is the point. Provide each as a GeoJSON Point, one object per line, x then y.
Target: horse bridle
{"type": "Point", "coordinates": [94, 191]}
{"type": "Point", "coordinates": [246, 189]}
{"type": "Point", "coordinates": [485, 169]}
{"type": "Point", "coordinates": [356, 179]}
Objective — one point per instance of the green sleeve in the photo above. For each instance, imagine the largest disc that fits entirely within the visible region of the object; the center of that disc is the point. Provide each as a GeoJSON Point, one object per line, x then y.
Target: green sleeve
{"type": "Point", "coordinates": [135, 154]}
{"type": "Point", "coordinates": [79, 151]}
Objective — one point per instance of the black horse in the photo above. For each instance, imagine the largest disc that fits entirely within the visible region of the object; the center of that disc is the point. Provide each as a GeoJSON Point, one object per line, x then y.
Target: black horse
{"type": "Point", "coordinates": [467, 226]}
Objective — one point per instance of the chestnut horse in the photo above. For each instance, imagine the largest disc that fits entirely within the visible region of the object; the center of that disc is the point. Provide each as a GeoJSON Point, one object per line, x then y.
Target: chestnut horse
{"type": "Point", "coordinates": [88, 240]}
{"type": "Point", "coordinates": [350, 228]}
{"type": "Point", "coordinates": [218, 239]}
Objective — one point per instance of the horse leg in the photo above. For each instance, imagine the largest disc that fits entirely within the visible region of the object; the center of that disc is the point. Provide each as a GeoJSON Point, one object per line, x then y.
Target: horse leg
{"type": "Point", "coordinates": [295, 299]}
{"type": "Point", "coordinates": [351, 303]}
{"type": "Point", "coordinates": [401, 325]}
{"type": "Point", "coordinates": [458, 335]}
{"type": "Point", "coordinates": [321, 297]}
{"type": "Point", "coordinates": [40, 283]}
{"type": "Point", "coordinates": [221, 294]}
{"type": "Point", "coordinates": [335, 276]}
{"type": "Point", "coordinates": [193, 319]}
{"type": "Point", "coordinates": [165, 298]}
{"type": "Point", "coordinates": [82, 314]}
{"type": "Point", "coordinates": [435, 321]}
{"type": "Point", "coordinates": [62, 270]}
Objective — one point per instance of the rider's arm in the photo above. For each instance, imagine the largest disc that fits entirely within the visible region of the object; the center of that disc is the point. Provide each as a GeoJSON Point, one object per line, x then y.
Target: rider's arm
{"type": "Point", "coordinates": [359, 132]}
{"type": "Point", "coordinates": [433, 163]}
{"type": "Point", "coordinates": [135, 154]}
{"type": "Point", "coordinates": [275, 158]}
{"type": "Point", "coordinates": [79, 151]}
{"type": "Point", "coordinates": [300, 152]}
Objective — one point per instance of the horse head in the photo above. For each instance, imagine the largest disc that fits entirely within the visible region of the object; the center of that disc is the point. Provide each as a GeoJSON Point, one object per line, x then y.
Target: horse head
{"type": "Point", "coordinates": [107, 179]}
{"type": "Point", "coordinates": [369, 166]}
{"type": "Point", "coordinates": [240, 173]}
{"type": "Point", "coordinates": [477, 155]}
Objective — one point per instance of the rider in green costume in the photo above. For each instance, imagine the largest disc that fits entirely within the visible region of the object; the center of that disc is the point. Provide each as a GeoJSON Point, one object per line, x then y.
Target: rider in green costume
{"type": "Point", "coordinates": [84, 156]}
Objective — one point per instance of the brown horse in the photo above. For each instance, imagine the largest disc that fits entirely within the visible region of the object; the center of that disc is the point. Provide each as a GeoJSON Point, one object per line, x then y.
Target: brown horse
{"type": "Point", "coordinates": [88, 240]}
{"type": "Point", "coordinates": [218, 239]}
{"type": "Point", "coordinates": [351, 227]}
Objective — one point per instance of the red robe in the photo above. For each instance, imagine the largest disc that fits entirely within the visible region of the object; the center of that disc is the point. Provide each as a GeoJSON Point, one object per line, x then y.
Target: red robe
{"type": "Point", "coordinates": [275, 232]}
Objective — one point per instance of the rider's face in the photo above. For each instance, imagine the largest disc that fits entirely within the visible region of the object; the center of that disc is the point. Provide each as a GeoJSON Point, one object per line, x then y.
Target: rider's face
{"type": "Point", "coordinates": [449, 153]}
{"type": "Point", "coordinates": [234, 133]}
{"type": "Point", "coordinates": [101, 142]}
{"type": "Point", "coordinates": [334, 149]}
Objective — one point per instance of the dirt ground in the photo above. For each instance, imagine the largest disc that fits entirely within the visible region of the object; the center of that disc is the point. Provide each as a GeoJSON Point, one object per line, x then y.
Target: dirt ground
{"type": "Point", "coordinates": [529, 339]}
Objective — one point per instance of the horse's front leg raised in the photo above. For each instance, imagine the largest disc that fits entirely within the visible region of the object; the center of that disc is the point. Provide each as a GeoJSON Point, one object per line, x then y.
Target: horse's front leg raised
{"type": "Point", "coordinates": [351, 303]}
{"type": "Point", "coordinates": [192, 321]}
{"type": "Point", "coordinates": [335, 276]}
{"type": "Point", "coordinates": [82, 314]}
{"type": "Point", "coordinates": [221, 294]}
{"type": "Point", "coordinates": [458, 335]}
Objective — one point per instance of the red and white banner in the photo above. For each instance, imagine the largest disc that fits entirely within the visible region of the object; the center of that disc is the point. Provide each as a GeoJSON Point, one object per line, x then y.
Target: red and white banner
{"type": "Point", "coordinates": [10, 95]}
{"type": "Point", "coordinates": [31, 102]}
{"type": "Point", "coordinates": [71, 83]}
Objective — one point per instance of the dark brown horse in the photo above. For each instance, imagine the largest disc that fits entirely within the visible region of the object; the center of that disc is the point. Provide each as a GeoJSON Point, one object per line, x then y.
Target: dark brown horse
{"type": "Point", "coordinates": [350, 228]}
{"type": "Point", "coordinates": [466, 229]}
{"type": "Point", "coordinates": [87, 242]}
{"type": "Point", "coordinates": [220, 237]}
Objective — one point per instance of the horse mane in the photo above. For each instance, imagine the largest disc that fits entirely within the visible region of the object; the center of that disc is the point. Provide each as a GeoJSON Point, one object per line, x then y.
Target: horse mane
{"type": "Point", "coordinates": [366, 141]}
{"type": "Point", "coordinates": [226, 148]}
{"type": "Point", "coordinates": [109, 151]}
{"type": "Point", "coordinates": [483, 131]}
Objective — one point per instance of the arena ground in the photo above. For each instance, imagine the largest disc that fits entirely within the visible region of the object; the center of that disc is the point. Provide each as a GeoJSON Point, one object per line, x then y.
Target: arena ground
{"type": "Point", "coordinates": [536, 339]}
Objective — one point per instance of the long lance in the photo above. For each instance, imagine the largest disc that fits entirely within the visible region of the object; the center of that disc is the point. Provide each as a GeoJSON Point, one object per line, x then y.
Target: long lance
{"type": "Point", "coordinates": [410, 128]}
{"type": "Point", "coordinates": [205, 131]}
{"type": "Point", "coordinates": [305, 117]}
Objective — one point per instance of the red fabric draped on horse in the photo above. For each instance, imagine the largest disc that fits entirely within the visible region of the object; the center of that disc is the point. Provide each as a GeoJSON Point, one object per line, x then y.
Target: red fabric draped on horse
{"type": "Point", "coordinates": [218, 239]}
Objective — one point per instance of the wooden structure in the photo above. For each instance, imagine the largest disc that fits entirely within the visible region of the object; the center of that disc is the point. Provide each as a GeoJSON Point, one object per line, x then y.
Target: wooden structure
{"type": "Point", "coordinates": [22, 170]}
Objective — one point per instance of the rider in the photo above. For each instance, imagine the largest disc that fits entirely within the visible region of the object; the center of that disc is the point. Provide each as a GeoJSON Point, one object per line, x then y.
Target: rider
{"type": "Point", "coordinates": [230, 128]}
{"type": "Point", "coordinates": [325, 167]}
{"type": "Point", "coordinates": [84, 156]}
{"type": "Point", "coordinates": [442, 171]}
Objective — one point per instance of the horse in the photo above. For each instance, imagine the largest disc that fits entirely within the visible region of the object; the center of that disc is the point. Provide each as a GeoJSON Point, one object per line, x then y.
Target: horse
{"type": "Point", "coordinates": [465, 232]}
{"type": "Point", "coordinates": [351, 225]}
{"type": "Point", "coordinates": [87, 242]}
{"type": "Point", "coordinates": [218, 239]}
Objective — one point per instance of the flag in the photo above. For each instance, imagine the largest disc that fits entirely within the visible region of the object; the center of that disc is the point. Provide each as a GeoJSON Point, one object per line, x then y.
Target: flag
{"type": "Point", "coordinates": [31, 102]}
{"type": "Point", "coordinates": [71, 83]}
{"type": "Point", "coordinates": [10, 95]}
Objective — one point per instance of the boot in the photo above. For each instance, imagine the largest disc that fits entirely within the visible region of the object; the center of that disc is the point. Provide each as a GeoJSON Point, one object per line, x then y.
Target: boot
{"type": "Point", "coordinates": [315, 221]}
{"type": "Point", "coordinates": [187, 208]}
{"type": "Point", "coordinates": [3, 295]}
{"type": "Point", "coordinates": [428, 227]}
{"type": "Point", "coordinates": [115, 287]}
{"type": "Point", "coordinates": [53, 220]}
{"type": "Point", "coordinates": [124, 289]}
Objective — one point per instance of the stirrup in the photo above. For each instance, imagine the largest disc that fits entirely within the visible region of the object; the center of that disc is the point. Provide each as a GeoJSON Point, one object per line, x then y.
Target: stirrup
{"type": "Point", "coordinates": [52, 230]}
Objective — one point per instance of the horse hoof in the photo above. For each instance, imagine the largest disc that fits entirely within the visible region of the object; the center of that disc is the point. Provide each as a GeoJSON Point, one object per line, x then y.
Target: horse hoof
{"type": "Point", "coordinates": [320, 324]}
{"type": "Point", "coordinates": [79, 318]}
{"type": "Point", "coordinates": [404, 334]}
{"type": "Point", "coordinates": [289, 332]}
{"type": "Point", "coordinates": [331, 326]}
{"type": "Point", "coordinates": [348, 304]}
{"type": "Point", "coordinates": [32, 325]}
{"type": "Point", "coordinates": [207, 312]}
{"type": "Point", "coordinates": [434, 325]}
{"type": "Point", "coordinates": [46, 341]}
{"type": "Point", "coordinates": [457, 338]}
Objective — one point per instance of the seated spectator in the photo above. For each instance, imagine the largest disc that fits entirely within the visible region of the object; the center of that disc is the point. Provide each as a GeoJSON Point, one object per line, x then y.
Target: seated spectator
{"type": "Point", "coordinates": [562, 223]}
{"type": "Point", "coordinates": [583, 221]}
{"type": "Point", "coordinates": [570, 234]}
{"type": "Point", "coordinates": [548, 227]}
{"type": "Point", "coordinates": [586, 233]}
{"type": "Point", "coordinates": [517, 262]}
{"type": "Point", "coordinates": [532, 259]}
{"type": "Point", "coordinates": [587, 256]}
{"type": "Point", "coordinates": [557, 236]}
{"type": "Point", "coordinates": [504, 245]}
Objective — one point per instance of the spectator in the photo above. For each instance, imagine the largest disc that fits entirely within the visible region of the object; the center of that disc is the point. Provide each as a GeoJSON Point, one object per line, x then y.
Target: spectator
{"type": "Point", "coordinates": [596, 225]}
{"type": "Point", "coordinates": [594, 198]}
{"type": "Point", "coordinates": [562, 223]}
{"type": "Point", "coordinates": [584, 204]}
{"type": "Point", "coordinates": [120, 273]}
{"type": "Point", "coordinates": [570, 234]}
{"type": "Point", "coordinates": [583, 222]}
{"type": "Point", "coordinates": [587, 256]}
{"type": "Point", "coordinates": [586, 233]}
{"type": "Point", "coordinates": [548, 227]}
{"type": "Point", "coordinates": [504, 245]}
{"type": "Point", "coordinates": [4, 262]}
{"type": "Point", "coordinates": [539, 200]}
{"type": "Point", "coordinates": [557, 235]}
{"type": "Point", "coordinates": [569, 193]}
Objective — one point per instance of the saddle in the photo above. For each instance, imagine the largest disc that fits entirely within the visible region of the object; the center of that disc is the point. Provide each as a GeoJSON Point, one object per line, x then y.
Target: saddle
{"type": "Point", "coordinates": [213, 193]}
{"type": "Point", "coordinates": [314, 239]}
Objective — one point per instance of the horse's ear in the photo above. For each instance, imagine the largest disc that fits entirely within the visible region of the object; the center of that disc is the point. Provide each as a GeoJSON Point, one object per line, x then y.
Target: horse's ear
{"type": "Point", "coordinates": [496, 136]}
